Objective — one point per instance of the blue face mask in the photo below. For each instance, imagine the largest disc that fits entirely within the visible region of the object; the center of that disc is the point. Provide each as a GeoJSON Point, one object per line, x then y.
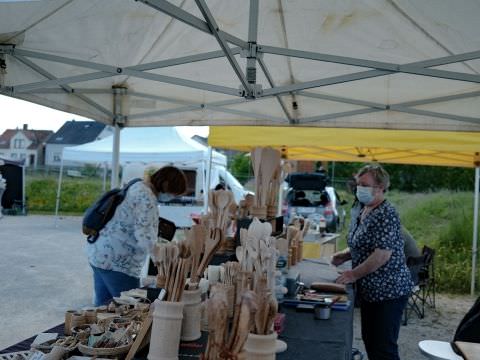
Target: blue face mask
{"type": "Point", "coordinates": [164, 197]}
{"type": "Point", "coordinates": [365, 194]}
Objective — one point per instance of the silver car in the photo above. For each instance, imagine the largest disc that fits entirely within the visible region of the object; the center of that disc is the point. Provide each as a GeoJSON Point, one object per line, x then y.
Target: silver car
{"type": "Point", "coordinates": [308, 196]}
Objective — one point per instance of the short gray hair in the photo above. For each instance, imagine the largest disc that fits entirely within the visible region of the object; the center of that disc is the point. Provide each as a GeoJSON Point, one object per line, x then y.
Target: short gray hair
{"type": "Point", "coordinates": [379, 174]}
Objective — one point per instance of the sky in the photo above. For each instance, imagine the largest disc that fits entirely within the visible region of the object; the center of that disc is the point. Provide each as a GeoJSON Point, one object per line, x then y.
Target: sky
{"type": "Point", "coordinates": [14, 113]}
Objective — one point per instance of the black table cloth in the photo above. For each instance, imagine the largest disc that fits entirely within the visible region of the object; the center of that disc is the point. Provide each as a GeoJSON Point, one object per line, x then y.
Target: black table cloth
{"type": "Point", "coordinates": [306, 337]}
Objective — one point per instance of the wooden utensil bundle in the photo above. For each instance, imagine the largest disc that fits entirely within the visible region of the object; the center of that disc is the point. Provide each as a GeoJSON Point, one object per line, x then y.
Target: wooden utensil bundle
{"type": "Point", "coordinates": [267, 308]}
{"type": "Point", "coordinates": [173, 265]}
{"type": "Point", "coordinates": [162, 255]}
{"type": "Point", "coordinates": [266, 168]}
{"type": "Point", "coordinates": [196, 237]}
{"type": "Point", "coordinates": [221, 203]}
{"type": "Point", "coordinates": [228, 272]}
{"type": "Point", "coordinates": [222, 344]}
{"type": "Point", "coordinates": [258, 251]}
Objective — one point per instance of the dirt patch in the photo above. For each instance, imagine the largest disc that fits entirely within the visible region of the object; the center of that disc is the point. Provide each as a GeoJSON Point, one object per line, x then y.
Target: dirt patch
{"type": "Point", "coordinates": [438, 324]}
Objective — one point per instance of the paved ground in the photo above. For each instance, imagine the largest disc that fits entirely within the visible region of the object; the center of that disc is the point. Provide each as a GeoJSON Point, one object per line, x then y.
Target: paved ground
{"type": "Point", "coordinates": [44, 271]}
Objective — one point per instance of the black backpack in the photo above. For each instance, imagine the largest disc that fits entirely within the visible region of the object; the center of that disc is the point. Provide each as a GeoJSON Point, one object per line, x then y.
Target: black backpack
{"type": "Point", "coordinates": [102, 210]}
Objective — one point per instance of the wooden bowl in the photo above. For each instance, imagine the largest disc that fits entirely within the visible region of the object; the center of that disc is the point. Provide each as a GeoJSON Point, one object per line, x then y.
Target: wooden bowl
{"type": "Point", "coordinates": [91, 351]}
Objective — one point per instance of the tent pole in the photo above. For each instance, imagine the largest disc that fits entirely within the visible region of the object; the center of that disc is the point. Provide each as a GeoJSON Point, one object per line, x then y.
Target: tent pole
{"type": "Point", "coordinates": [59, 188]}
{"type": "Point", "coordinates": [280, 189]}
{"type": "Point", "coordinates": [333, 173]}
{"type": "Point", "coordinates": [208, 176]}
{"type": "Point", "coordinates": [115, 157]}
{"type": "Point", "coordinates": [205, 192]}
{"type": "Point", "coordinates": [104, 176]}
{"type": "Point", "coordinates": [475, 230]}
{"type": "Point", "coordinates": [118, 121]}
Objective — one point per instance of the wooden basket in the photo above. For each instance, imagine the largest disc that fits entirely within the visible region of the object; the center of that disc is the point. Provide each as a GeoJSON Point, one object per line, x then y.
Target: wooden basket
{"type": "Point", "coordinates": [91, 351]}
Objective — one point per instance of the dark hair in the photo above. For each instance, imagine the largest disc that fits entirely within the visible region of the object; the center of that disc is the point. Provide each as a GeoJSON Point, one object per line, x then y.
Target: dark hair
{"type": "Point", "coordinates": [220, 186]}
{"type": "Point", "coordinates": [169, 179]}
{"type": "Point", "coordinates": [299, 194]}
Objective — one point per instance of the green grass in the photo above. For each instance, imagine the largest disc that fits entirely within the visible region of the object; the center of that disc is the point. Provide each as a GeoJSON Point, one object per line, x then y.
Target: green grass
{"type": "Point", "coordinates": [76, 194]}
{"type": "Point", "coordinates": [442, 220]}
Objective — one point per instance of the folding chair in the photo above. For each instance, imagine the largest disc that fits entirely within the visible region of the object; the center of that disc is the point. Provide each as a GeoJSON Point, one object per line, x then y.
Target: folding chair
{"type": "Point", "coordinates": [429, 281]}
{"type": "Point", "coordinates": [423, 274]}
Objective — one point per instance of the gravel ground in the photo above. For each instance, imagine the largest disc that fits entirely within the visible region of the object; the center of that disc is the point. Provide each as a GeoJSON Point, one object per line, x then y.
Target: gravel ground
{"type": "Point", "coordinates": [439, 324]}
{"type": "Point", "coordinates": [45, 272]}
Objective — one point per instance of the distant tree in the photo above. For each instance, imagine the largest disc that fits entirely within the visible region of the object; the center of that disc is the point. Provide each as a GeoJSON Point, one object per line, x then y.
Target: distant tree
{"type": "Point", "coordinates": [240, 167]}
{"type": "Point", "coordinates": [414, 178]}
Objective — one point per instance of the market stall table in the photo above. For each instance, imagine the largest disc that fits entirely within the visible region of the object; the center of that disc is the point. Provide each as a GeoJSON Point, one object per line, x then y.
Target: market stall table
{"type": "Point", "coordinates": [306, 337]}
{"type": "Point", "coordinates": [470, 351]}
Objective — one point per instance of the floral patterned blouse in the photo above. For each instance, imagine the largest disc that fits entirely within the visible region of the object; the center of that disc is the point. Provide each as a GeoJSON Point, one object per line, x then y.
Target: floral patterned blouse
{"type": "Point", "coordinates": [123, 244]}
{"type": "Point", "coordinates": [380, 229]}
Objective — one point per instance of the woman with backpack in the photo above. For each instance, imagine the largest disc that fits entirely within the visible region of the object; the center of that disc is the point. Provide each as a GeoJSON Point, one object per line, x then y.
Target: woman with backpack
{"type": "Point", "coordinates": [119, 254]}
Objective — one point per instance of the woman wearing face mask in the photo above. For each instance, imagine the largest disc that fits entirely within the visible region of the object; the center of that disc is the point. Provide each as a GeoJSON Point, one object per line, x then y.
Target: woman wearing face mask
{"type": "Point", "coordinates": [378, 265]}
{"type": "Point", "coordinates": [120, 252]}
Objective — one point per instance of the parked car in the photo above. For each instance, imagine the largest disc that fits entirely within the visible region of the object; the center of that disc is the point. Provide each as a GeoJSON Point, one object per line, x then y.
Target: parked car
{"type": "Point", "coordinates": [308, 195]}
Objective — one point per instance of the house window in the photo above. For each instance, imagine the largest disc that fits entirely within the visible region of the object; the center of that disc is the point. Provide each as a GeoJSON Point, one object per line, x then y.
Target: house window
{"type": "Point", "coordinates": [18, 143]}
{"type": "Point", "coordinates": [13, 156]}
{"type": "Point", "coordinates": [57, 157]}
{"type": "Point", "coordinates": [23, 156]}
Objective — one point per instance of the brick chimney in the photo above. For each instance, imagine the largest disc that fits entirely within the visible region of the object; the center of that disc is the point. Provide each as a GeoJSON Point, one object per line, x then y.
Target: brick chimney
{"type": "Point", "coordinates": [25, 126]}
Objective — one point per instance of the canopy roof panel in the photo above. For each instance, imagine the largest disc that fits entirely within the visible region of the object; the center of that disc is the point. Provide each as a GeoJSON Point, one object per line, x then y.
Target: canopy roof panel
{"type": "Point", "coordinates": [393, 64]}
{"type": "Point", "coordinates": [442, 148]}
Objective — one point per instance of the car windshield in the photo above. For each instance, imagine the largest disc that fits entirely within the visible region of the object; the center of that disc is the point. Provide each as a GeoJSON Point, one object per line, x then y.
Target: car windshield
{"type": "Point", "coordinates": [308, 198]}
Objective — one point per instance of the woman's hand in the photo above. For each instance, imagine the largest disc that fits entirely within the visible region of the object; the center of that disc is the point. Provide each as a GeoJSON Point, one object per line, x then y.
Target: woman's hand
{"type": "Point", "coordinates": [340, 257]}
{"type": "Point", "coordinates": [346, 277]}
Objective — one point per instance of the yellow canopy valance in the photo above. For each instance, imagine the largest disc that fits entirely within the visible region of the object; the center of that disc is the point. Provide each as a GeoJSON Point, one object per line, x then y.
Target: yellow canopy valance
{"type": "Point", "coordinates": [441, 148]}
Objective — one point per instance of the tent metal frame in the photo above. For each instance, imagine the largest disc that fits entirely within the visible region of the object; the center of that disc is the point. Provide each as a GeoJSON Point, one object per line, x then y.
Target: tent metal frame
{"type": "Point", "coordinates": [249, 89]}
{"type": "Point", "coordinates": [141, 72]}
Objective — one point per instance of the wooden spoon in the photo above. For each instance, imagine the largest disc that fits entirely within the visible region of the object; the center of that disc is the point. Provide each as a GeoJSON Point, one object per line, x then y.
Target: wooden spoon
{"type": "Point", "coordinates": [212, 243]}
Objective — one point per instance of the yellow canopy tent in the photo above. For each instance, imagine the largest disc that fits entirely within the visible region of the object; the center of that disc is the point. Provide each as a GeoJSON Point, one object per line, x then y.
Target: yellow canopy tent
{"type": "Point", "coordinates": [418, 147]}
{"type": "Point", "coordinates": [441, 148]}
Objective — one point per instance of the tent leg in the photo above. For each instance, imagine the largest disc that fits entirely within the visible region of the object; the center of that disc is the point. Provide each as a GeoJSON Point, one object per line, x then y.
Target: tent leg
{"type": "Point", "coordinates": [280, 190]}
{"type": "Point", "coordinates": [59, 188]}
{"type": "Point", "coordinates": [475, 230]}
{"type": "Point", "coordinates": [115, 157]}
{"type": "Point", "coordinates": [208, 176]}
{"type": "Point", "coordinates": [104, 176]}
{"type": "Point", "coordinates": [119, 119]}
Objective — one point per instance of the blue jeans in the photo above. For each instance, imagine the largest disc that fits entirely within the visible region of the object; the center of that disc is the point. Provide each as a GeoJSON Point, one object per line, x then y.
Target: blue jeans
{"type": "Point", "coordinates": [109, 283]}
{"type": "Point", "coordinates": [380, 327]}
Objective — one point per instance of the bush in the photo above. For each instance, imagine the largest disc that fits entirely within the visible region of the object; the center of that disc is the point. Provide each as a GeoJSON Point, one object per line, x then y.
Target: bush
{"type": "Point", "coordinates": [454, 254]}
{"type": "Point", "coordinates": [442, 220]}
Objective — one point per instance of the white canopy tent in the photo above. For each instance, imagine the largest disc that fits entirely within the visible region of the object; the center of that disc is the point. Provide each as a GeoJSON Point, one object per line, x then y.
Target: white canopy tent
{"type": "Point", "coordinates": [160, 145]}
{"type": "Point", "coordinates": [156, 144]}
{"type": "Point", "coordinates": [386, 64]}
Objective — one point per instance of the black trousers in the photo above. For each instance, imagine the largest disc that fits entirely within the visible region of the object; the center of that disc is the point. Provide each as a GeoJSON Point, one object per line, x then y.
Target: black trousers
{"type": "Point", "coordinates": [380, 327]}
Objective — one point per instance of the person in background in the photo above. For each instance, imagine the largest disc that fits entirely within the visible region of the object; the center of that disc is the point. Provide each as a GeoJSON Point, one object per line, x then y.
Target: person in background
{"type": "Point", "coordinates": [410, 248]}
{"type": "Point", "coordinates": [378, 265]}
{"type": "Point", "coordinates": [220, 186]}
{"type": "Point", "coordinates": [356, 205]}
{"type": "Point", "coordinates": [120, 252]}
{"type": "Point", "coordinates": [300, 199]}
